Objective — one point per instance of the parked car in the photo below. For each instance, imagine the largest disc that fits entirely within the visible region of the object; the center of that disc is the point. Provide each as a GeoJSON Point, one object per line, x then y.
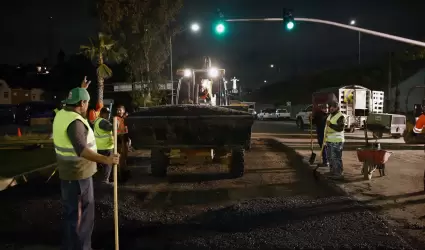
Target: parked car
{"type": "Point", "coordinates": [267, 114]}
{"type": "Point", "coordinates": [253, 113]}
{"type": "Point", "coordinates": [302, 118]}
{"type": "Point", "coordinates": [7, 114]}
{"type": "Point", "coordinates": [27, 110]}
{"type": "Point", "coordinates": [283, 114]}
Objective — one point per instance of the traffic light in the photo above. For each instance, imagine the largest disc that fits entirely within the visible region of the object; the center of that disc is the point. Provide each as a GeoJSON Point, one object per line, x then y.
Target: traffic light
{"type": "Point", "coordinates": [288, 20]}
{"type": "Point", "coordinates": [220, 27]}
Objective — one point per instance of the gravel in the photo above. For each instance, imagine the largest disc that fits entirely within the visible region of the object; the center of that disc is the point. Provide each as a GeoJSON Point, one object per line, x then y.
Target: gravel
{"type": "Point", "coordinates": [302, 215]}
{"type": "Point", "coordinates": [272, 223]}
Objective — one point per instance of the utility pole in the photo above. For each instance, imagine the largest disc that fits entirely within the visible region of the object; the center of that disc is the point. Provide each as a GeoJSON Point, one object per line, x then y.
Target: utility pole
{"type": "Point", "coordinates": [360, 35]}
{"type": "Point", "coordinates": [171, 71]}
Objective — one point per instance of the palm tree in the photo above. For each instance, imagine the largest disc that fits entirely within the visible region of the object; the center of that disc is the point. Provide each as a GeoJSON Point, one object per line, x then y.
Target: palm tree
{"type": "Point", "coordinates": [102, 49]}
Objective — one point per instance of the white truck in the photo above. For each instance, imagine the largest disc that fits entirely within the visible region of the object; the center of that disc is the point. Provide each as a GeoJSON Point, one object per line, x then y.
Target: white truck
{"type": "Point", "coordinates": [302, 118]}
{"type": "Point", "coordinates": [356, 103]}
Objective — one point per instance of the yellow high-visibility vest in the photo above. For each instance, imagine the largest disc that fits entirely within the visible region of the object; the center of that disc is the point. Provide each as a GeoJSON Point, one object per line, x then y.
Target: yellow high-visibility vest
{"type": "Point", "coordinates": [65, 153]}
{"type": "Point", "coordinates": [332, 135]}
{"type": "Point", "coordinates": [104, 139]}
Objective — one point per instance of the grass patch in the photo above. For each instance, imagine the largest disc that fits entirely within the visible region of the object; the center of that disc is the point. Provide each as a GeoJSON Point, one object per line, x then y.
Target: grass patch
{"type": "Point", "coordinates": [18, 161]}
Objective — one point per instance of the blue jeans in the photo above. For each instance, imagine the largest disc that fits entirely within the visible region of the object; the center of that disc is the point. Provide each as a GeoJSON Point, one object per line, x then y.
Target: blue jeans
{"type": "Point", "coordinates": [335, 157]}
{"type": "Point", "coordinates": [104, 168]}
{"type": "Point", "coordinates": [78, 214]}
{"type": "Point", "coordinates": [320, 135]}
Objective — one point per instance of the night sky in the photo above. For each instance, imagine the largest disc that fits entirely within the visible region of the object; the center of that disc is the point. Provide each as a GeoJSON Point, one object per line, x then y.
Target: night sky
{"type": "Point", "coordinates": [246, 51]}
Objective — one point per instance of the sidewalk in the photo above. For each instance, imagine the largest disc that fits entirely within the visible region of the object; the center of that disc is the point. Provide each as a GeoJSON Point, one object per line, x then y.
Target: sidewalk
{"type": "Point", "coordinates": [399, 196]}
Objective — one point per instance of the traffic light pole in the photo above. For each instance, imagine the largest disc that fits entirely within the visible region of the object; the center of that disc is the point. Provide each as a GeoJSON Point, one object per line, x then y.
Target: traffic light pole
{"type": "Point", "coordinates": [344, 26]}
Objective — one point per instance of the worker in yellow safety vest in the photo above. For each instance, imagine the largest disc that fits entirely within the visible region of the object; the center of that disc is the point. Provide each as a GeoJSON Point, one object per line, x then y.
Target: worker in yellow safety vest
{"type": "Point", "coordinates": [104, 141]}
{"type": "Point", "coordinates": [334, 132]}
{"type": "Point", "coordinates": [76, 155]}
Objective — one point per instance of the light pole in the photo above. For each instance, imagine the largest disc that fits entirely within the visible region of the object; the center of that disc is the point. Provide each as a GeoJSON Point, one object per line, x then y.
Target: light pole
{"type": "Point", "coordinates": [194, 27]}
{"type": "Point", "coordinates": [353, 23]}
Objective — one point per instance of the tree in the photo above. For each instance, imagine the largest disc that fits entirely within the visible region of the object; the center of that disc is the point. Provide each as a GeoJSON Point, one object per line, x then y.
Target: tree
{"type": "Point", "coordinates": [145, 27]}
{"type": "Point", "coordinates": [100, 50]}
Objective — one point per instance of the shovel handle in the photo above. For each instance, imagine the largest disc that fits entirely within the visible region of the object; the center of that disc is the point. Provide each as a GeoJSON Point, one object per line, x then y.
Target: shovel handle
{"type": "Point", "coordinates": [311, 133]}
{"type": "Point", "coordinates": [115, 169]}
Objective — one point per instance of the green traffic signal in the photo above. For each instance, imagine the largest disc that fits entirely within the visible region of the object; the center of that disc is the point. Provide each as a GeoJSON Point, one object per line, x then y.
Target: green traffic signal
{"type": "Point", "coordinates": [220, 28]}
{"type": "Point", "coordinates": [290, 25]}
{"type": "Point", "coordinates": [288, 19]}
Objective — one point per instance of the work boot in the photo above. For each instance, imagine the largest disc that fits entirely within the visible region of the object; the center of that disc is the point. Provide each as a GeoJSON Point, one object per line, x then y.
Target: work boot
{"type": "Point", "coordinates": [320, 165]}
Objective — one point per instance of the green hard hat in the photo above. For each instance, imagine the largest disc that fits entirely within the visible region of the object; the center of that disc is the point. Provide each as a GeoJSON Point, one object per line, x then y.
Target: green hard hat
{"type": "Point", "coordinates": [76, 95]}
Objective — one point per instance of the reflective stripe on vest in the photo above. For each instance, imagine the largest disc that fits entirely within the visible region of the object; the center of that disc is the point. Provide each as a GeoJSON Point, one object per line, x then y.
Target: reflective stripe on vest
{"type": "Point", "coordinates": [63, 146]}
{"type": "Point", "coordinates": [104, 139]}
{"type": "Point", "coordinates": [332, 135]}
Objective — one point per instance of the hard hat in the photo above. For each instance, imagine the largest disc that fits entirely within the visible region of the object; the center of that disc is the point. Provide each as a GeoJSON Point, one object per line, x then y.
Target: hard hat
{"type": "Point", "coordinates": [333, 104]}
{"type": "Point", "coordinates": [105, 110]}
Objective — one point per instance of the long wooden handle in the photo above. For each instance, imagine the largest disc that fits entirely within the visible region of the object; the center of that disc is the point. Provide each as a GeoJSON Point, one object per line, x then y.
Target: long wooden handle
{"type": "Point", "coordinates": [115, 167]}
{"type": "Point", "coordinates": [311, 134]}
{"type": "Point", "coordinates": [324, 140]}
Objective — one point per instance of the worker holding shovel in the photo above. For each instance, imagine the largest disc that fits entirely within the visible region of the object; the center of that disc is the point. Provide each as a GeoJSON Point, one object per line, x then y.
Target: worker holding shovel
{"type": "Point", "coordinates": [76, 154]}
{"type": "Point", "coordinates": [319, 119]}
{"type": "Point", "coordinates": [334, 137]}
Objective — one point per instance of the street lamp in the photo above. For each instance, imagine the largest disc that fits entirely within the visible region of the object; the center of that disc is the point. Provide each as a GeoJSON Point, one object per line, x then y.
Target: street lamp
{"type": "Point", "coordinates": [194, 27]}
{"type": "Point", "coordinates": [265, 81]}
{"type": "Point", "coordinates": [353, 23]}
{"type": "Point", "coordinates": [271, 65]}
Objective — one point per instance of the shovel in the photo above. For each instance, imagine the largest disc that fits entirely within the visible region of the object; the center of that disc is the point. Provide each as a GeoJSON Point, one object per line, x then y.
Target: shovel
{"type": "Point", "coordinates": [313, 155]}
{"type": "Point", "coordinates": [321, 153]}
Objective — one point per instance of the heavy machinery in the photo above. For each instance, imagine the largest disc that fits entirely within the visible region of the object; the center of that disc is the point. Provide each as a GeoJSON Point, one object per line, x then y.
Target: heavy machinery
{"type": "Point", "coordinates": [193, 133]}
{"type": "Point", "coordinates": [411, 118]}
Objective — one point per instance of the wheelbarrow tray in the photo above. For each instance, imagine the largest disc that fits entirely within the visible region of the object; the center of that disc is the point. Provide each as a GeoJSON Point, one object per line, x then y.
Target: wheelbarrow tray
{"type": "Point", "coordinates": [373, 156]}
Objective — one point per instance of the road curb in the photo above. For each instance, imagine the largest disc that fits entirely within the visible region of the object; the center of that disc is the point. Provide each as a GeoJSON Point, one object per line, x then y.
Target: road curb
{"type": "Point", "coordinates": [320, 178]}
{"type": "Point", "coordinates": [42, 174]}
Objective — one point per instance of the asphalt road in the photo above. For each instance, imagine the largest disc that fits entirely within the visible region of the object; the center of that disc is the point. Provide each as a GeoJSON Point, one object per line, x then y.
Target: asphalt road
{"type": "Point", "coordinates": [276, 205]}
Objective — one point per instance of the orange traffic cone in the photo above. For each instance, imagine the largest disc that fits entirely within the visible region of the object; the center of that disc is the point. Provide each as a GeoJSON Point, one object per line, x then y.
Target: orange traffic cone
{"type": "Point", "coordinates": [19, 132]}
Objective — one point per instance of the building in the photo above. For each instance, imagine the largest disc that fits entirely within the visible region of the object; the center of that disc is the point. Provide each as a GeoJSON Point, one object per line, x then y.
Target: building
{"type": "Point", "coordinates": [416, 95]}
{"type": "Point", "coordinates": [10, 95]}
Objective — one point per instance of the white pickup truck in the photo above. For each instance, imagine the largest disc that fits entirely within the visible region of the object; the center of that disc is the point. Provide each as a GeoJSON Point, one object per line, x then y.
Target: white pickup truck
{"type": "Point", "coordinates": [283, 114]}
{"type": "Point", "coordinates": [302, 117]}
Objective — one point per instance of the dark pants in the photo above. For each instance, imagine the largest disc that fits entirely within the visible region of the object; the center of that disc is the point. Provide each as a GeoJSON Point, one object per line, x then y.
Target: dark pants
{"type": "Point", "coordinates": [78, 214]}
{"type": "Point", "coordinates": [335, 157]}
{"type": "Point", "coordinates": [104, 168]}
{"type": "Point", "coordinates": [320, 131]}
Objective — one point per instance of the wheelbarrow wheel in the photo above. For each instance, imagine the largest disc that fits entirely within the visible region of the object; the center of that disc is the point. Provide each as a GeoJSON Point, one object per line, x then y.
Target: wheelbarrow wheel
{"type": "Point", "coordinates": [382, 170]}
{"type": "Point", "coordinates": [366, 170]}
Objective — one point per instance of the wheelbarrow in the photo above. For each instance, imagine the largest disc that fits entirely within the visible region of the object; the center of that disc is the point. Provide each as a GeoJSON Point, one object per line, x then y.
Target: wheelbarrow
{"type": "Point", "coordinates": [373, 159]}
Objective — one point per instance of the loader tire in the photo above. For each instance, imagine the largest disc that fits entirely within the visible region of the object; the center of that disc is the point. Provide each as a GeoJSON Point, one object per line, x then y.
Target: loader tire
{"type": "Point", "coordinates": [159, 162]}
{"type": "Point", "coordinates": [237, 163]}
